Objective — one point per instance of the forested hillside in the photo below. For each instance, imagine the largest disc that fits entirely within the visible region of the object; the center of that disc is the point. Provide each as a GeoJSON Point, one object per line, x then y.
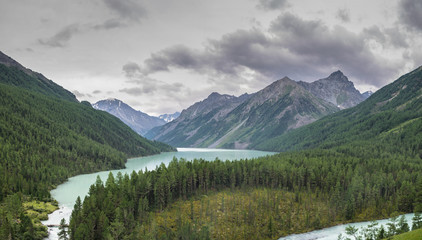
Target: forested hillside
{"type": "Point", "coordinates": [365, 163]}
{"type": "Point", "coordinates": [223, 121]}
{"type": "Point", "coordinates": [265, 198]}
{"type": "Point", "coordinates": [386, 113]}
{"type": "Point", "coordinates": [47, 136]}
{"type": "Point", "coordinates": [13, 73]}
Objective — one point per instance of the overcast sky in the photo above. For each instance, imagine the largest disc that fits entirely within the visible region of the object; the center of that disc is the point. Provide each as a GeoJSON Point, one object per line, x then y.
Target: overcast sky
{"type": "Point", "coordinates": [161, 56]}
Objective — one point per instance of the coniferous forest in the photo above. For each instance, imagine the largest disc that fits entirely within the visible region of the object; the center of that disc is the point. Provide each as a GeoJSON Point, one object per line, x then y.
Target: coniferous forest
{"type": "Point", "coordinates": [46, 136]}
{"type": "Point", "coordinates": [362, 163]}
{"type": "Point", "coordinates": [372, 171]}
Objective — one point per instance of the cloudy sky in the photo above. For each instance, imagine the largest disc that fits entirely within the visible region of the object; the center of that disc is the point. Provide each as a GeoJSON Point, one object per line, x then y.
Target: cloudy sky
{"type": "Point", "coordinates": [161, 56]}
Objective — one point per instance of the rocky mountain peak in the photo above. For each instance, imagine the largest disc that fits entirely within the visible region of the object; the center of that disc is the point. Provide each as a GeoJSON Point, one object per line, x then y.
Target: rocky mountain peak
{"type": "Point", "coordinates": [337, 75]}
{"type": "Point", "coordinates": [139, 121]}
{"type": "Point", "coordinates": [337, 89]}
{"type": "Point", "coordinates": [283, 81]}
{"type": "Point", "coordinates": [214, 95]}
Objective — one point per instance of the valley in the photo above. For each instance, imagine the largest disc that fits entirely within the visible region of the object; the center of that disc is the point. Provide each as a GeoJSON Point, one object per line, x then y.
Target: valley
{"type": "Point", "coordinates": [335, 166]}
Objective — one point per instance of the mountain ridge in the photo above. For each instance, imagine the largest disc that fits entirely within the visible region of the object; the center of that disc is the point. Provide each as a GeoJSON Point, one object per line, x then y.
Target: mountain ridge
{"type": "Point", "coordinates": [337, 89]}
{"type": "Point", "coordinates": [47, 137]}
{"type": "Point", "coordinates": [139, 121]}
{"type": "Point", "coordinates": [387, 111]}
{"type": "Point", "coordinates": [13, 73]}
{"type": "Point", "coordinates": [217, 122]}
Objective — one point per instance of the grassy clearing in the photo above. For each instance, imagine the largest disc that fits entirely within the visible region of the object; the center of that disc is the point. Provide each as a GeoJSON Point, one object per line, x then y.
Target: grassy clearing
{"type": "Point", "coordinates": [38, 211]}
{"type": "Point", "coordinates": [246, 214]}
{"type": "Point", "coordinates": [413, 235]}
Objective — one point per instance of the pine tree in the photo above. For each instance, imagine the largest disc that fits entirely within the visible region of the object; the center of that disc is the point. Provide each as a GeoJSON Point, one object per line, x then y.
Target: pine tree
{"type": "Point", "coordinates": [417, 221]}
{"type": "Point", "coordinates": [62, 227]}
{"type": "Point", "coordinates": [418, 199]}
{"type": "Point", "coordinates": [402, 225]}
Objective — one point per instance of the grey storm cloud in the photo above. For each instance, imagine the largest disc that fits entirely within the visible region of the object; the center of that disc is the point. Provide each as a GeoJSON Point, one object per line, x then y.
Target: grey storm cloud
{"type": "Point", "coordinates": [410, 13]}
{"type": "Point", "coordinates": [127, 12]}
{"type": "Point", "coordinates": [294, 47]}
{"type": "Point", "coordinates": [387, 36]}
{"type": "Point", "coordinates": [343, 15]}
{"type": "Point", "coordinates": [151, 87]}
{"type": "Point", "coordinates": [145, 84]}
{"type": "Point", "coordinates": [131, 69]}
{"type": "Point", "coordinates": [61, 38]}
{"type": "Point", "coordinates": [127, 9]}
{"type": "Point", "coordinates": [374, 32]}
{"type": "Point", "coordinates": [272, 4]}
{"type": "Point", "coordinates": [109, 24]}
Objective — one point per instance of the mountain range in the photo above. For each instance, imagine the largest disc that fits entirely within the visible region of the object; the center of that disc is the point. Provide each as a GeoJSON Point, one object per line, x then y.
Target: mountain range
{"type": "Point", "coordinates": [336, 89]}
{"type": "Point", "coordinates": [14, 74]}
{"type": "Point", "coordinates": [393, 113]}
{"type": "Point", "coordinates": [47, 136]}
{"type": "Point", "coordinates": [140, 122]}
{"type": "Point", "coordinates": [224, 121]}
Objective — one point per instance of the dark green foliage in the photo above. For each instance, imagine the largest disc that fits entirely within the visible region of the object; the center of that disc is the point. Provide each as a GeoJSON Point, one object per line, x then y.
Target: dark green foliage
{"type": "Point", "coordinates": [417, 221]}
{"type": "Point", "coordinates": [358, 183]}
{"type": "Point", "coordinates": [418, 195]}
{"type": "Point", "coordinates": [46, 136]}
{"type": "Point", "coordinates": [86, 103]}
{"type": "Point", "coordinates": [14, 224]}
{"type": "Point", "coordinates": [33, 81]}
{"type": "Point", "coordinates": [63, 231]}
{"type": "Point", "coordinates": [45, 140]}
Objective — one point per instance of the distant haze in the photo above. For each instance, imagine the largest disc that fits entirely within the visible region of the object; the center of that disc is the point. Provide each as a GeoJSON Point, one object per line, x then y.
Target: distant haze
{"type": "Point", "coordinates": [162, 56]}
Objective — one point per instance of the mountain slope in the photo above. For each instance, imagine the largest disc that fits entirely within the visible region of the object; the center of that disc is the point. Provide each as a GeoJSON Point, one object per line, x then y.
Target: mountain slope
{"type": "Point", "coordinates": [230, 122]}
{"type": "Point", "coordinates": [140, 122]}
{"type": "Point", "coordinates": [188, 128]}
{"type": "Point", "coordinates": [45, 138]}
{"type": "Point", "coordinates": [391, 112]}
{"type": "Point", "coordinates": [276, 109]}
{"type": "Point", "coordinates": [336, 89]}
{"type": "Point", "coordinates": [13, 73]}
{"type": "Point", "coordinates": [169, 117]}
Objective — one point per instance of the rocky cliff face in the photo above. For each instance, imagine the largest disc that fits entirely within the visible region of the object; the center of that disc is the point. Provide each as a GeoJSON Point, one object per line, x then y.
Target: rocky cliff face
{"type": "Point", "coordinates": [199, 116]}
{"type": "Point", "coordinates": [274, 110]}
{"type": "Point", "coordinates": [241, 122]}
{"type": "Point", "coordinates": [336, 89]}
{"type": "Point", "coordinates": [224, 121]}
{"type": "Point", "coordinates": [140, 122]}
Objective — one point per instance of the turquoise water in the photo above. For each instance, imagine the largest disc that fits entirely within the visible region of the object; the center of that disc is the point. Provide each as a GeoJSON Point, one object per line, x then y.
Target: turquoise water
{"type": "Point", "coordinates": [332, 233]}
{"type": "Point", "coordinates": [67, 192]}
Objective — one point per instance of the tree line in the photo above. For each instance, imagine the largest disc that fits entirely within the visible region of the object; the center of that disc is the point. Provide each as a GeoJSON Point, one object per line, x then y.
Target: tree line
{"type": "Point", "coordinates": [45, 139]}
{"type": "Point", "coordinates": [358, 184]}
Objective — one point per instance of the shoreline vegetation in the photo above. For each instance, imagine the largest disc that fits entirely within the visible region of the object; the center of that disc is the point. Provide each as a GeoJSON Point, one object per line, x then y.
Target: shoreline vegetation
{"type": "Point", "coordinates": [27, 215]}
{"type": "Point", "coordinates": [317, 188]}
{"type": "Point", "coordinates": [47, 136]}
